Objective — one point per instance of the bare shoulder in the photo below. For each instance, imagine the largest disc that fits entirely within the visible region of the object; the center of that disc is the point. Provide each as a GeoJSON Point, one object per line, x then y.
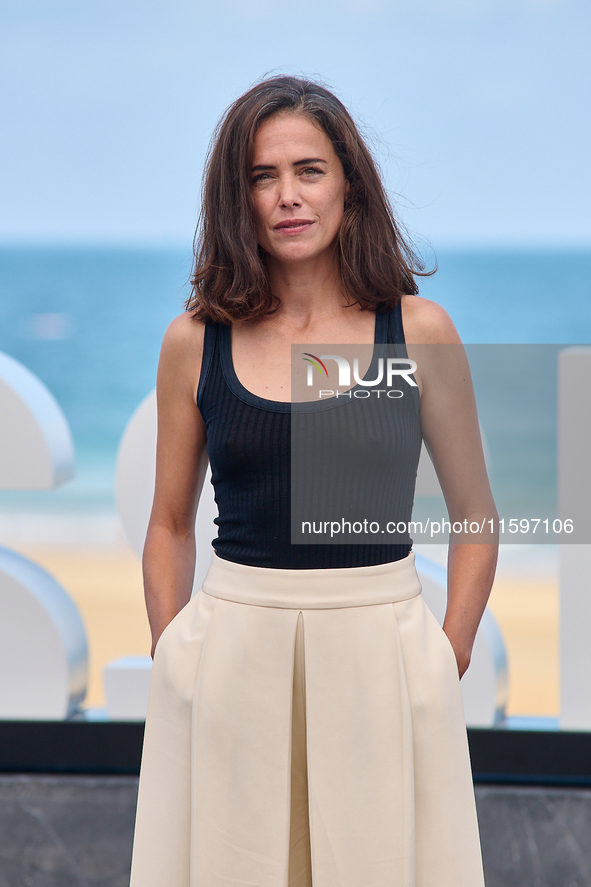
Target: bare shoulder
{"type": "Point", "coordinates": [184, 335]}
{"type": "Point", "coordinates": [182, 351]}
{"type": "Point", "coordinates": [426, 322]}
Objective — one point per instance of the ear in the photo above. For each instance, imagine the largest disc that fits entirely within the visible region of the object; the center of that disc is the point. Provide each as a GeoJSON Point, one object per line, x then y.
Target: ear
{"type": "Point", "coordinates": [347, 188]}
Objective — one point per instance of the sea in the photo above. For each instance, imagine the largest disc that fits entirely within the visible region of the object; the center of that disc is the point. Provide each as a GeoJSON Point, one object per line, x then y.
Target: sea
{"type": "Point", "coordinates": [89, 323]}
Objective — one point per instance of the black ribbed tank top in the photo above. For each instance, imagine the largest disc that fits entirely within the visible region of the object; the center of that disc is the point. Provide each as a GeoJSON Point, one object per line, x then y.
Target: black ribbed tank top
{"type": "Point", "coordinates": [249, 448]}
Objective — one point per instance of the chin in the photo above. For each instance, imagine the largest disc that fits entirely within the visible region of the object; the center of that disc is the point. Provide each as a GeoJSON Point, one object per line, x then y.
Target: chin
{"type": "Point", "coordinates": [297, 253]}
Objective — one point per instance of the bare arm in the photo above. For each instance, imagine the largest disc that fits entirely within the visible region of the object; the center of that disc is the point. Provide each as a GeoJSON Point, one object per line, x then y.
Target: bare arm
{"type": "Point", "coordinates": [181, 462]}
{"type": "Point", "coordinates": [450, 429]}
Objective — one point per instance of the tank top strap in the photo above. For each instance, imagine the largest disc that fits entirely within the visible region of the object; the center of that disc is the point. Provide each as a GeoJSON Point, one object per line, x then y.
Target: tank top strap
{"type": "Point", "coordinates": [210, 340]}
{"type": "Point", "coordinates": [395, 328]}
{"type": "Point", "coordinates": [389, 329]}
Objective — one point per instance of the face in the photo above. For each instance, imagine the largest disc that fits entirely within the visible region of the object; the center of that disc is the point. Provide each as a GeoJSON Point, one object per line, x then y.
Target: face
{"type": "Point", "coordinates": [298, 189]}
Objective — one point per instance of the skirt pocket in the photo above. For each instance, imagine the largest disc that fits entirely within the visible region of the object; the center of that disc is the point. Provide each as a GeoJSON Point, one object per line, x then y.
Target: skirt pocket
{"type": "Point", "coordinates": [170, 627]}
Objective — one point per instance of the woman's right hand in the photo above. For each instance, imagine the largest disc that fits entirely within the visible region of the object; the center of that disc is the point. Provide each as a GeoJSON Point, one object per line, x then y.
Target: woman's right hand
{"type": "Point", "coordinates": [156, 635]}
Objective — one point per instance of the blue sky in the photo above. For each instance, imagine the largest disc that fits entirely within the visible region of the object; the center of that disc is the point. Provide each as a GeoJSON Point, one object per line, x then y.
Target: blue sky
{"type": "Point", "coordinates": [478, 110]}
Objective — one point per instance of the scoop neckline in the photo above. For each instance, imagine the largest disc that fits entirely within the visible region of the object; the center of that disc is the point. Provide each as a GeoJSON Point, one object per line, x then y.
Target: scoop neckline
{"type": "Point", "coordinates": [287, 406]}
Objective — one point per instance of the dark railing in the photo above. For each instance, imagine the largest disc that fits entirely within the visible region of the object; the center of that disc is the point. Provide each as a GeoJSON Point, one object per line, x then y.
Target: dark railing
{"type": "Point", "coordinates": [501, 756]}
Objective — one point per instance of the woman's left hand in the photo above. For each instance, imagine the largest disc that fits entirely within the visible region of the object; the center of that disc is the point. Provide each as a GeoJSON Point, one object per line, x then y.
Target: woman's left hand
{"type": "Point", "coordinates": [449, 421]}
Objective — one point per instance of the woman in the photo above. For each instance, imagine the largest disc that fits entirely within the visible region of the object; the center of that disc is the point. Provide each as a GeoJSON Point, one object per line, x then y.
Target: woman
{"type": "Point", "coordinates": [305, 722]}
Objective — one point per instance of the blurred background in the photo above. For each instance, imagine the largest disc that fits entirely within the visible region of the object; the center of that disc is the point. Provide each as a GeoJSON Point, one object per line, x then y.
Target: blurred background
{"type": "Point", "coordinates": [478, 114]}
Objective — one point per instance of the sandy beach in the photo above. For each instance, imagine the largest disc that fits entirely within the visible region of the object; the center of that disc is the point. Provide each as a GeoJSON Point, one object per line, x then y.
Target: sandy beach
{"type": "Point", "coordinates": [106, 584]}
{"type": "Point", "coordinates": [527, 611]}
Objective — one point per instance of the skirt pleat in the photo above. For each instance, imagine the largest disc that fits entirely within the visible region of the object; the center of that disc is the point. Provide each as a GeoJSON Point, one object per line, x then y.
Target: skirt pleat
{"type": "Point", "coordinates": [308, 734]}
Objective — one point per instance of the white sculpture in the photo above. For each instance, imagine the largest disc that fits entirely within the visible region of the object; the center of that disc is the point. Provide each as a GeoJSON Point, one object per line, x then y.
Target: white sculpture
{"type": "Point", "coordinates": [43, 650]}
{"type": "Point", "coordinates": [36, 448]}
{"type": "Point", "coordinates": [127, 686]}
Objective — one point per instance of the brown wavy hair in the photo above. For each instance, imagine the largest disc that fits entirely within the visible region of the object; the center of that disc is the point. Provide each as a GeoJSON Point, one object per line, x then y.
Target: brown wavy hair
{"type": "Point", "coordinates": [229, 280]}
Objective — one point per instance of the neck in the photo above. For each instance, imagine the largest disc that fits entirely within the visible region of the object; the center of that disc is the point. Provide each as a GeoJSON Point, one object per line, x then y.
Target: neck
{"type": "Point", "coordinates": [306, 290]}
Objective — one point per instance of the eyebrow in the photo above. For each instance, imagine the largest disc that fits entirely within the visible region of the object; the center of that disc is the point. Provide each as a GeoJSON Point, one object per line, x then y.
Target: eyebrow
{"type": "Point", "coordinates": [263, 167]}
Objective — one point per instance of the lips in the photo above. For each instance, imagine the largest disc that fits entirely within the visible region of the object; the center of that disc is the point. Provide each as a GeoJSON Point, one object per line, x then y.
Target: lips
{"type": "Point", "coordinates": [293, 226]}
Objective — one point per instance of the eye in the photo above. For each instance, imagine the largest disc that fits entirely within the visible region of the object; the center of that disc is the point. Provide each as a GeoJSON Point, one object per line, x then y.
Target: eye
{"type": "Point", "coordinates": [260, 177]}
{"type": "Point", "coordinates": [312, 170]}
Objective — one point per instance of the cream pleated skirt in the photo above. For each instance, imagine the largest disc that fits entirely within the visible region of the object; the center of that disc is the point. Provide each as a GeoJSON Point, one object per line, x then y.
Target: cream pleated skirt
{"type": "Point", "coordinates": [305, 729]}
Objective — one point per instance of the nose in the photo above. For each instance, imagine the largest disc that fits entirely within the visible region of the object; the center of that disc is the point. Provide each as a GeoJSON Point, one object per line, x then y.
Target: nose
{"type": "Point", "coordinates": [289, 195]}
